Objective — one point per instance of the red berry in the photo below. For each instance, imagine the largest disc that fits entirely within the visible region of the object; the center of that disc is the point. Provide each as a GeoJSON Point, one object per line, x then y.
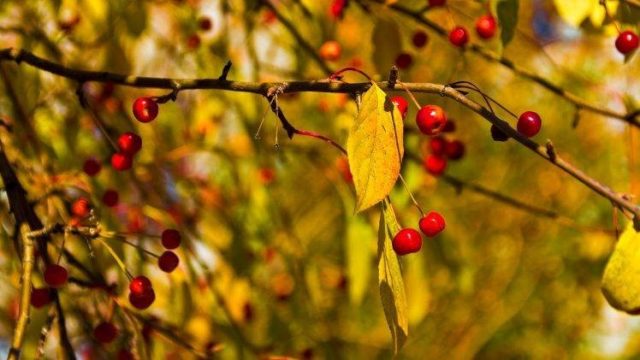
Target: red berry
{"type": "Point", "coordinates": [40, 297]}
{"type": "Point", "coordinates": [336, 10]}
{"type": "Point", "coordinates": [205, 23]}
{"type": "Point", "coordinates": [454, 149]}
{"type": "Point", "coordinates": [193, 41]}
{"type": "Point", "coordinates": [529, 123]}
{"type": "Point", "coordinates": [129, 143]}
{"type": "Point", "coordinates": [55, 275]}
{"type": "Point", "coordinates": [627, 42]}
{"type": "Point", "coordinates": [125, 354]}
{"type": "Point", "coordinates": [168, 261]}
{"type": "Point", "coordinates": [121, 161]}
{"type": "Point", "coordinates": [105, 332]}
{"type": "Point", "coordinates": [486, 26]}
{"type": "Point", "coordinates": [330, 50]}
{"type": "Point", "coordinates": [497, 134]}
{"type": "Point", "coordinates": [403, 60]}
{"type": "Point", "coordinates": [435, 164]}
{"type": "Point", "coordinates": [140, 285]}
{"type": "Point", "coordinates": [431, 119]}
{"type": "Point", "coordinates": [91, 167]}
{"type": "Point", "coordinates": [437, 2]}
{"type": "Point", "coordinates": [145, 109]}
{"type": "Point", "coordinates": [437, 145]}
{"type": "Point", "coordinates": [110, 198]}
{"type": "Point", "coordinates": [401, 104]}
{"type": "Point", "coordinates": [459, 36]}
{"type": "Point", "coordinates": [419, 38]}
{"type": "Point", "coordinates": [450, 126]}
{"type": "Point", "coordinates": [81, 207]}
{"type": "Point", "coordinates": [432, 224]}
{"type": "Point", "coordinates": [143, 300]}
{"type": "Point", "coordinates": [407, 241]}
{"type": "Point", "coordinates": [171, 238]}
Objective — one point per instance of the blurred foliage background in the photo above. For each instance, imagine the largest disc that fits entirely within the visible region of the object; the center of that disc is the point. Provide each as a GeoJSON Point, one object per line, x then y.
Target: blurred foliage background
{"type": "Point", "coordinates": [275, 262]}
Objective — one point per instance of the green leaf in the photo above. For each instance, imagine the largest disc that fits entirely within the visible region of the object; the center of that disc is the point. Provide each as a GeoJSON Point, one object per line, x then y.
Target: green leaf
{"type": "Point", "coordinates": [375, 148]}
{"type": "Point", "coordinates": [394, 300]}
{"type": "Point", "coordinates": [387, 44]}
{"type": "Point", "coordinates": [507, 12]}
{"type": "Point", "coordinates": [622, 273]}
{"type": "Point", "coordinates": [358, 257]}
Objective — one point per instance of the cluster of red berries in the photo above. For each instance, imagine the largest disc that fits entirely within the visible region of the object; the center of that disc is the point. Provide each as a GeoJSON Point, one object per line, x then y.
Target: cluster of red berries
{"type": "Point", "coordinates": [141, 294]}
{"type": "Point", "coordinates": [486, 26]}
{"type": "Point", "coordinates": [408, 240]}
{"type": "Point", "coordinates": [442, 149]}
{"type": "Point", "coordinates": [55, 276]}
{"type": "Point", "coordinates": [169, 261]}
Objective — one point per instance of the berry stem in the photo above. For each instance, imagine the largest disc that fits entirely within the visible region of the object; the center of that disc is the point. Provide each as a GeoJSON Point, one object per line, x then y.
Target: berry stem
{"type": "Point", "coordinates": [413, 98]}
{"type": "Point", "coordinates": [413, 199]}
{"type": "Point", "coordinates": [125, 241]}
{"type": "Point", "coordinates": [115, 256]}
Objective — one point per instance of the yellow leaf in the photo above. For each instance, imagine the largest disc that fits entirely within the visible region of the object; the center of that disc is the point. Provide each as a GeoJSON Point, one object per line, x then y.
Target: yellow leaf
{"type": "Point", "coordinates": [574, 12]}
{"type": "Point", "coordinates": [375, 148]}
{"type": "Point", "coordinates": [622, 273]}
{"type": "Point", "coordinates": [392, 294]}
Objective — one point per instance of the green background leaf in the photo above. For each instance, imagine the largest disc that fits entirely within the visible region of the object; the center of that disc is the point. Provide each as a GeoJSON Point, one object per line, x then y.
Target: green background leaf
{"type": "Point", "coordinates": [507, 11]}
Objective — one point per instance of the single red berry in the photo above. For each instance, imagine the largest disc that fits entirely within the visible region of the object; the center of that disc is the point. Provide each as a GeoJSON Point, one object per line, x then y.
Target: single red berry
{"type": "Point", "coordinates": [459, 36]}
{"type": "Point", "coordinates": [105, 332]}
{"type": "Point", "coordinates": [431, 119]}
{"type": "Point", "coordinates": [330, 50]}
{"type": "Point", "coordinates": [449, 127]}
{"type": "Point", "coordinates": [454, 149]}
{"type": "Point", "coordinates": [419, 38]}
{"type": "Point", "coordinates": [145, 109]}
{"type": "Point", "coordinates": [435, 164]}
{"type": "Point", "coordinates": [437, 145]}
{"type": "Point", "coordinates": [91, 167]}
{"type": "Point", "coordinates": [486, 26]}
{"type": "Point", "coordinates": [529, 123]}
{"type": "Point", "coordinates": [337, 7]}
{"type": "Point", "coordinates": [193, 41]}
{"type": "Point", "coordinates": [140, 285]}
{"type": "Point", "coordinates": [627, 42]}
{"type": "Point", "coordinates": [143, 300]}
{"type": "Point", "coordinates": [401, 104]}
{"type": "Point", "coordinates": [171, 238]}
{"type": "Point", "coordinates": [432, 224]}
{"type": "Point", "coordinates": [168, 261]}
{"type": "Point", "coordinates": [407, 241]}
{"type": "Point", "coordinates": [497, 134]}
{"type": "Point", "coordinates": [437, 2]}
{"type": "Point", "coordinates": [125, 354]}
{"type": "Point", "coordinates": [205, 23]}
{"type": "Point", "coordinates": [267, 175]}
{"type": "Point", "coordinates": [55, 275]}
{"type": "Point", "coordinates": [40, 297]}
{"type": "Point", "coordinates": [129, 143]}
{"type": "Point", "coordinates": [81, 207]}
{"type": "Point", "coordinates": [121, 161]}
{"type": "Point", "coordinates": [110, 198]}
{"type": "Point", "coordinates": [404, 60]}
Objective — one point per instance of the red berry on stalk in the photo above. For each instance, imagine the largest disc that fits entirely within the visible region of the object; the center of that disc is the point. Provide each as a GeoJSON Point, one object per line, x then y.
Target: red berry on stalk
{"type": "Point", "coordinates": [129, 143]}
{"type": "Point", "coordinates": [627, 42]}
{"type": "Point", "coordinates": [432, 224]}
{"type": "Point", "coordinates": [140, 285]}
{"type": "Point", "coordinates": [497, 134]}
{"type": "Point", "coordinates": [145, 109]}
{"type": "Point", "coordinates": [407, 241]}
{"type": "Point", "coordinates": [40, 297]}
{"type": "Point", "coordinates": [168, 261]}
{"type": "Point", "coordinates": [419, 39]}
{"type": "Point", "coordinates": [205, 23]}
{"type": "Point", "coordinates": [171, 238]}
{"type": "Point", "coordinates": [401, 104]}
{"type": "Point", "coordinates": [529, 123]}
{"type": "Point", "coordinates": [403, 60]}
{"type": "Point", "coordinates": [121, 161]}
{"type": "Point", "coordinates": [435, 164]}
{"type": "Point", "coordinates": [110, 198]}
{"type": "Point", "coordinates": [143, 300]}
{"type": "Point", "coordinates": [454, 149]}
{"type": "Point", "coordinates": [437, 2]}
{"type": "Point", "coordinates": [459, 36]}
{"type": "Point", "coordinates": [486, 26]}
{"type": "Point", "coordinates": [81, 207]}
{"type": "Point", "coordinates": [437, 145]}
{"type": "Point", "coordinates": [431, 119]}
{"type": "Point", "coordinates": [105, 332]}
{"type": "Point", "coordinates": [55, 275]}
{"type": "Point", "coordinates": [91, 167]}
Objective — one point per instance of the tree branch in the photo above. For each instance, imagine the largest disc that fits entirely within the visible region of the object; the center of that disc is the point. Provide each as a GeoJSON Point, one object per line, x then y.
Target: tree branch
{"type": "Point", "coordinates": [266, 89]}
